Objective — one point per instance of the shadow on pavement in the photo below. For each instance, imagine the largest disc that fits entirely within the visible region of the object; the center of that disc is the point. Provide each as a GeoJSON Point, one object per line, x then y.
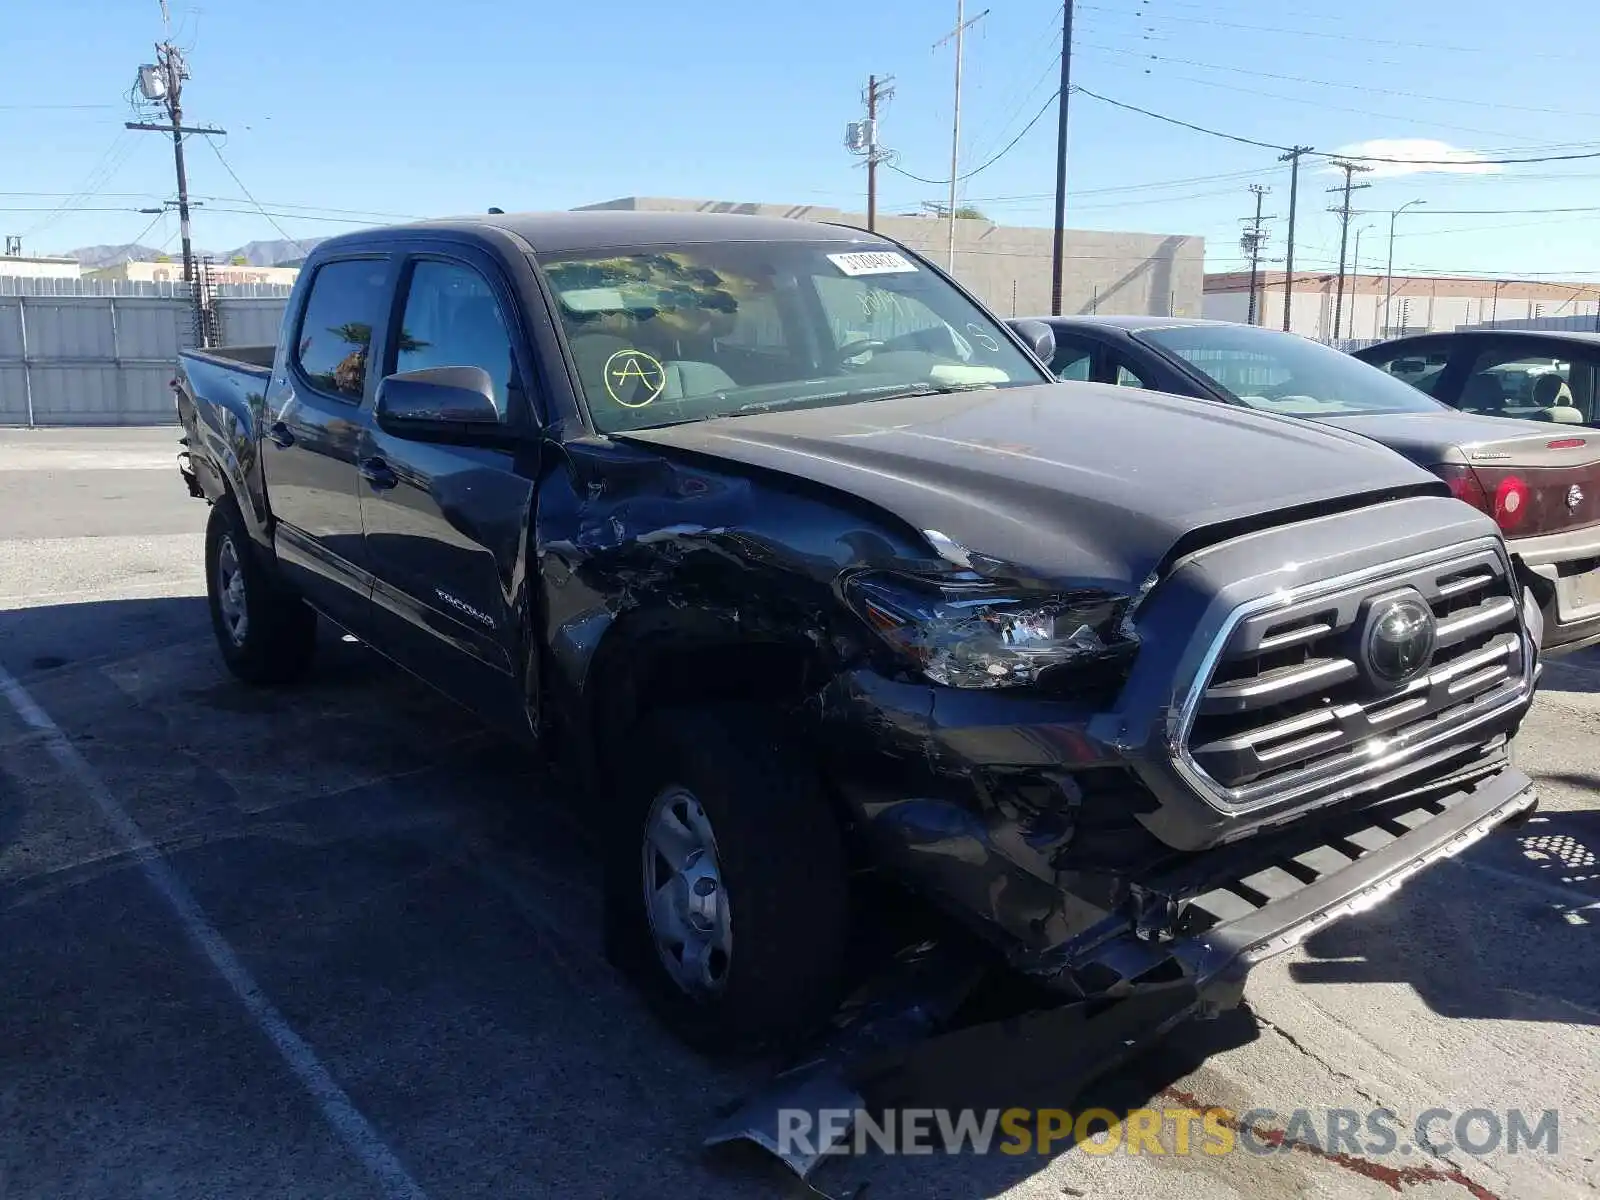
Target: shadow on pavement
{"type": "Point", "coordinates": [1509, 931]}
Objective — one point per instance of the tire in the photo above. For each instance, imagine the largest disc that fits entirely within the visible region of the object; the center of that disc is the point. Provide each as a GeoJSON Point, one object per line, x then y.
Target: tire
{"type": "Point", "coordinates": [267, 635]}
{"type": "Point", "coordinates": [778, 880]}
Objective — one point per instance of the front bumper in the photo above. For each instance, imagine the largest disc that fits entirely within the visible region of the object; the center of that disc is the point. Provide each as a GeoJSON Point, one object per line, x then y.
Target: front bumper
{"type": "Point", "coordinates": [1313, 881]}
{"type": "Point", "coordinates": [902, 1043]}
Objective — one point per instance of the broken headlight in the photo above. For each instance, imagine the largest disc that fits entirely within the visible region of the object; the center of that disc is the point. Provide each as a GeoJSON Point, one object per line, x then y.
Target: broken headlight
{"type": "Point", "coordinates": [980, 635]}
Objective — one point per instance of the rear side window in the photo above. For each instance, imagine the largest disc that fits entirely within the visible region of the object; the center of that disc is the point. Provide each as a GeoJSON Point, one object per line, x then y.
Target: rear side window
{"type": "Point", "coordinates": [344, 306]}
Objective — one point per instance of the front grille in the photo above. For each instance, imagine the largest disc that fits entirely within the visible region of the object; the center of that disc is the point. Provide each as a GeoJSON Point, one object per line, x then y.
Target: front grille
{"type": "Point", "coordinates": [1288, 707]}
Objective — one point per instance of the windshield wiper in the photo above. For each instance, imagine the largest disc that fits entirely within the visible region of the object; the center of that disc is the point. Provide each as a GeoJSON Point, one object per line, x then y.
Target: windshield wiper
{"type": "Point", "coordinates": [890, 392]}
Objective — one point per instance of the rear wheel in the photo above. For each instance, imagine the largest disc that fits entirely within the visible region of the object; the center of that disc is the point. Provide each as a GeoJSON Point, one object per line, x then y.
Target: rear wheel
{"type": "Point", "coordinates": [266, 633]}
{"type": "Point", "coordinates": [726, 886]}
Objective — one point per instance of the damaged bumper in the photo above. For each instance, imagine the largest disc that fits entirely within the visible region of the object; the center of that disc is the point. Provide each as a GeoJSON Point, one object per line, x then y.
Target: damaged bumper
{"type": "Point", "coordinates": [1246, 920]}
{"type": "Point", "coordinates": [1152, 983]}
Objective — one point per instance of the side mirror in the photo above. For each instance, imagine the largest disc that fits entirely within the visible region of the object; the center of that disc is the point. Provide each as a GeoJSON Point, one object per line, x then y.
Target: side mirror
{"type": "Point", "coordinates": [1037, 336]}
{"type": "Point", "coordinates": [439, 404]}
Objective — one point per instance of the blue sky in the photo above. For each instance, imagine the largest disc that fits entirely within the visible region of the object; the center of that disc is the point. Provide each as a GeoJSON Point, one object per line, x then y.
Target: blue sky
{"type": "Point", "coordinates": [368, 109]}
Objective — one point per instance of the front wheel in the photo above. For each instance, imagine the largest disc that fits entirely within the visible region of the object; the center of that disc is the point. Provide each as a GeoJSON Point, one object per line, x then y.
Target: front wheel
{"type": "Point", "coordinates": [726, 884]}
{"type": "Point", "coordinates": [266, 634]}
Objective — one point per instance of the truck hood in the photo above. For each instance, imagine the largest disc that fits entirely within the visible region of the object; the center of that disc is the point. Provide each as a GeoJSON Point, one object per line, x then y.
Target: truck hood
{"type": "Point", "coordinates": [1081, 482]}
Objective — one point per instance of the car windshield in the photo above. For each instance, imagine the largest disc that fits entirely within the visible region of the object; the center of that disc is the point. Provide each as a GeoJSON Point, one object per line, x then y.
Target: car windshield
{"type": "Point", "coordinates": [1284, 373]}
{"type": "Point", "coordinates": [661, 335]}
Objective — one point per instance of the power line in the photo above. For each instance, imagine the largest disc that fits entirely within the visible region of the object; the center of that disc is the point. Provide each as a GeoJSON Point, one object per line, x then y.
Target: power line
{"type": "Point", "coordinates": [1232, 137]}
{"type": "Point", "coordinates": [1151, 185]}
{"type": "Point", "coordinates": [101, 173]}
{"type": "Point", "coordinates": [1310, 101]}
{"type": "Point", "coordinates": [1009, 146]}
{"type": "Point", "coordinates": [1342, 37]}
{"type": "Point", "coordinates": [1363, 158]}
{"type": "Point", "coordinates": [210, 141]}
{"type": "Point", "coordinates": [1354, 87]}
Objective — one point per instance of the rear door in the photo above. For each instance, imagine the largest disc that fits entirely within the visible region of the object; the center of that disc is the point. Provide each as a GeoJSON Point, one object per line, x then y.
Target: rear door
{"type": "Point", "coordinates": [314, 431]}
{"type": "Point", "coordinates": [447, 524]}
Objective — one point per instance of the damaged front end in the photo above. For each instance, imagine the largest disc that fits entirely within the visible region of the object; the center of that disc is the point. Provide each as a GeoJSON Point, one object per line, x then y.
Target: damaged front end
{"type": "Point", "coordinates": [1042, 775]}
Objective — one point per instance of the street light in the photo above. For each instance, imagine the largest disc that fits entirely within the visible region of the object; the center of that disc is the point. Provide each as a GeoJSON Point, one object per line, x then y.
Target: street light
{"type": "Point", "coordinates": [1355, 276]}
{"type": "Point", "coordinates": [1388, 298]}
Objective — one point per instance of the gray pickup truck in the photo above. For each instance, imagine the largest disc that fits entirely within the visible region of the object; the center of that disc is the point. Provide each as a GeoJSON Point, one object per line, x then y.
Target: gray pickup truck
{"type": "Point", "coordinates": [791, 551]}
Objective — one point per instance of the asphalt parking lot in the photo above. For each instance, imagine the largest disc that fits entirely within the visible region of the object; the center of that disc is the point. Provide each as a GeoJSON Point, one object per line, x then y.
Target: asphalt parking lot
{"type": "Point", "coordinates": [341, 942]}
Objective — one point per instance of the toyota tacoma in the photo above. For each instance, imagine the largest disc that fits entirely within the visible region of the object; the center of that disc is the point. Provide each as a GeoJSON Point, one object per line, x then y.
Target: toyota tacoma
{"type": "Point", "coordinates": [790, 550]}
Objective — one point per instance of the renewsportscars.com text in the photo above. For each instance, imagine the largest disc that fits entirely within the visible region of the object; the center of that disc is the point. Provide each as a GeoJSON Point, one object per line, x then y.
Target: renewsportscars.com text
{"type": "Point", "coordinates": [1374, 1133]}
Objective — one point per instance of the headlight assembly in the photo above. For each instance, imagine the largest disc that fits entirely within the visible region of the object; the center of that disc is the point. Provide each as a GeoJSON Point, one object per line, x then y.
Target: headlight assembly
{"type": "Point", "coordinates": [980, 635]}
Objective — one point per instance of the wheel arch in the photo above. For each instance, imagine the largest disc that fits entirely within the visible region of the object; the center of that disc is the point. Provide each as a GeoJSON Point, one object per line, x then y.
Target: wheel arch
{"type": "Point", "coordinates": [652, 658]}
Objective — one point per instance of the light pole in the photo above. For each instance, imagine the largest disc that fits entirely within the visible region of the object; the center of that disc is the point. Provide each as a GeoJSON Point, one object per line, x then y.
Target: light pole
{"type": "Point", "coordinates": [1388, 297]}
{"type": "Point", "coordinates": [1355, 281]}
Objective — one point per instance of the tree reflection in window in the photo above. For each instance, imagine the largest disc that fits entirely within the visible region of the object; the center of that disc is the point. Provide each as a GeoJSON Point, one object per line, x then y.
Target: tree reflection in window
{"type": "Point", "coordinates": [349, 374]}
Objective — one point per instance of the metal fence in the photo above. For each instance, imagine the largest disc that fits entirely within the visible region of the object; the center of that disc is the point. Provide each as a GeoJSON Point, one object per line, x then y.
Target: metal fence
{"type": "Point", "coordinates": [107, 359]}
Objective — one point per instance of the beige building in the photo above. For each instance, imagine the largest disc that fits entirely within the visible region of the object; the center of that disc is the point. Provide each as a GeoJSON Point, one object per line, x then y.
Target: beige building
{"type": "Point", "coordinates": [32, 267]}
{"type": "Point", "coordinates": [1419, 304]}
{"type": "Point", "coordinates": [172, 272]}
{"type": "Point", "coordinates": [1008, 267]}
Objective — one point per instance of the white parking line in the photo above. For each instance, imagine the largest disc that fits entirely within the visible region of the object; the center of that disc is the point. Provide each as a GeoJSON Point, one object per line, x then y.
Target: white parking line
{"type": "Point", "coordinates": [337, 1108]}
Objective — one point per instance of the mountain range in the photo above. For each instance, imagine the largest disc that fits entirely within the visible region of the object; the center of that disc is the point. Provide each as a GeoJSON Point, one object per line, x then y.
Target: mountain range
{"type": "Point", "coordinates": [282, 253]}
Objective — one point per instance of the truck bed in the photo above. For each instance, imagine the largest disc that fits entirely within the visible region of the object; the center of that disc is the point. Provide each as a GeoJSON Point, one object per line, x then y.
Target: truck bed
{"type": "Point", "coordinates": [257, 360]}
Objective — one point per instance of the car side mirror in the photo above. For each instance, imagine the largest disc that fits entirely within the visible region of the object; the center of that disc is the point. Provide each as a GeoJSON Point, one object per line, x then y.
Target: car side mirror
{"type": "Point", "coordinates": [439, 404]}
{"type": "Point", "coordinates": [1037, 336]}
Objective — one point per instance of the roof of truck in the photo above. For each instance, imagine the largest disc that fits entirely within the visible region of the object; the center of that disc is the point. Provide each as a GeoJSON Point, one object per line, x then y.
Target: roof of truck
{"type": "Point", "coordinates": [559, 232]}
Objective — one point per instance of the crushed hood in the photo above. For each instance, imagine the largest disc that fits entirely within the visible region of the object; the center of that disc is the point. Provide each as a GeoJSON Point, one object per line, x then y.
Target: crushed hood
{"type": "Point", "coordinates": [1066, 481]}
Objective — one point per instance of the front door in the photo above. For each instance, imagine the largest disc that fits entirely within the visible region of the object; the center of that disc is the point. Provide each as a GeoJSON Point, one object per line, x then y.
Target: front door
{"type": "Point", "coordinates": [447, 525]}
{"type": "Point", "coordinates": [314, 426]}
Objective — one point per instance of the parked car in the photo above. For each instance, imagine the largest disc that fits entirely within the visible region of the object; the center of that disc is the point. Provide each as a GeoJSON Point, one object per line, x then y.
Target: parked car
{"type": "Point", "coordinates": [802, 561]}
{"type": "Point", "coordinates": [1542, 486]}
{"type": "Point", "coordinates": [1529, 374]}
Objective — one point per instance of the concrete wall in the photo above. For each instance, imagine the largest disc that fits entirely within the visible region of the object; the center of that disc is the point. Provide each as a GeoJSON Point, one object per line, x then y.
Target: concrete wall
{"type": "Point", "coordinates": [1008, 267]}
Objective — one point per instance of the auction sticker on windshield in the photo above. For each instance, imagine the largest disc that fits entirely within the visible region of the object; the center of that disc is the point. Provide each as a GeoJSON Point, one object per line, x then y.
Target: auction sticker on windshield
{"type": "Point", "coordinates": [872, 262]}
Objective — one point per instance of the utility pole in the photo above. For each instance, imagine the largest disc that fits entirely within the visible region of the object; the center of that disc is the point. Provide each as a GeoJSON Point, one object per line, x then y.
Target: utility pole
{"type": "Point", "coordinates": [1293, 159]}
{"type": "Point", "coordinates": [1343, 212]}
{"type": "Point", "coordinates": [1058, 254]}
{"type": "Point", "coordinates": [1251, 242]}
{"type": "Point", "coordinates": [959, 34]}
{"type": "Point", "coordinates": [861, 137]}
{"type": "Point", "coordinates": [161, 83]}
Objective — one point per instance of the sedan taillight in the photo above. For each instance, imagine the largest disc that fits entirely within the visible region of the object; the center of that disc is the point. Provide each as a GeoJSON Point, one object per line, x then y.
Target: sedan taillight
{"type": "Point", "coordinates": [1509, 504]}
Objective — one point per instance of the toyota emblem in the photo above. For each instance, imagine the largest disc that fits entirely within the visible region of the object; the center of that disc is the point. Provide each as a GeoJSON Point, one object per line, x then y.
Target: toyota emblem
{"type": "Point", "coordinates": [1574, 498]}
{"type": "Point", "coordinates": [1399, 641]}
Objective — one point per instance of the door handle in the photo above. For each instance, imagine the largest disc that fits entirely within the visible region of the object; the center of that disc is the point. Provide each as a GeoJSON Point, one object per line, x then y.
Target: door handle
{"type": "Point", "coordinates": [279, 433]}
{"type": "Point", "coordinates": [378, 473]}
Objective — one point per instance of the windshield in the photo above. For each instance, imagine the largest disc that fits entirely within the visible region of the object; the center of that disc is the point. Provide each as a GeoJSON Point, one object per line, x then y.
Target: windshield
{"type": "Point", "coordinates": [1283, 373]}
{"type": "Point", "coordinates": [667, 334]}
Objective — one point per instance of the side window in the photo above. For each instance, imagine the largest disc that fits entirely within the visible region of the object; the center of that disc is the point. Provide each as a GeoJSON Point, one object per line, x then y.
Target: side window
{"type": "Point", "coordinates": [1422, 370]}
{"type": "Point", "coordinates": [345, 303]}
{"type": "Point", "coordinates": [452, 320]}
{"type": "Point", "coordinates": [1073, 360]}
{"type": "Point", "coordinates": [1541, 387]}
